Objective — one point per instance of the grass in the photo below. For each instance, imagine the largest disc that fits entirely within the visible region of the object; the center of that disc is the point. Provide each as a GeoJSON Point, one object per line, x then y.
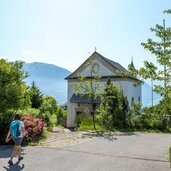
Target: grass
{"type": "Point", "coordinates": [87, 125]}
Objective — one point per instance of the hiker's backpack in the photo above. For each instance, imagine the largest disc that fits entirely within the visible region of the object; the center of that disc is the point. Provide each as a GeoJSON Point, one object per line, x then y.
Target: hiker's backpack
{"type": "Point", "coordinates": [14, 129]}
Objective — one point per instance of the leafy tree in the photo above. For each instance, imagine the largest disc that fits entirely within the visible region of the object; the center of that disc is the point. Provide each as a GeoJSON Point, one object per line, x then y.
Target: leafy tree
{"type": "Point", "coordinates": [162, 50]}
{"type": "Point", "coordinates": [49, 104]}
{"type": "Point", "coordinates": [113, 107]}
{"type": "Point", "coordinates": [12, 86]}
{"type": "Point", "coordinates": [89, 86]}
{"type": "Point", "coordinates": [149, 71]}
{"type": "Point", "coordinates": [61, 116]}
{"type": "Point", "coordinates": [36, 96]}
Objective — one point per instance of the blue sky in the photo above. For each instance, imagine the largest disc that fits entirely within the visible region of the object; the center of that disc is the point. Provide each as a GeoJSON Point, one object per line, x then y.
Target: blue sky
{"type": "Point", "coordinates": [65, 32]}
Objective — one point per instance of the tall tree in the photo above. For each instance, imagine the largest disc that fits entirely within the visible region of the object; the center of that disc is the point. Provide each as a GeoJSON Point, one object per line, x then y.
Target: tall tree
{"type": "Point", "coordinates": [161, 48]}
{"type": "Point", "coordinates": [12, 86]}
{"type": "Point", "coordinates": [113, 107]}
{"type": "Point", "coordinates": [36, 96]}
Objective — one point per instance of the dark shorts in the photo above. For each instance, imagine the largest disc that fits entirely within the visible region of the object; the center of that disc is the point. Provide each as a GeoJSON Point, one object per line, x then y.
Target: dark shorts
{"type": "Point", "coordinates": [17, 140]}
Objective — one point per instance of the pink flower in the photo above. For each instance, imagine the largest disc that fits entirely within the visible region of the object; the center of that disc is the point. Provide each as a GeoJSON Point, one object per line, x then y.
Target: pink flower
{"type": "Point", "coordinates": [33, 126]}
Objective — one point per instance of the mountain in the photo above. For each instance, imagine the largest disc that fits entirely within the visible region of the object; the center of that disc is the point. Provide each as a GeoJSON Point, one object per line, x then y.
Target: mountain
{"type": "Point", "coordinates": [49, 78]}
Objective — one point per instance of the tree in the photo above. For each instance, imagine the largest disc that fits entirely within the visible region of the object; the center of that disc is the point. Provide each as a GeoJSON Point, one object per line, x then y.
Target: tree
{"type": "Point", "coordinates": [113, 107]}
{"type": "Point", "coordinates": [49, 104]}
{"type": "Point", "coordinates": [89, 86]}
{"type": "Point", "coordinates": [149, 71]}
{"type": "Point", "coordinates": [12, 86]}
{"type": "Point", "coordinates": [161, 50]}
{"type": "Point", "coordinates": [36, 96]}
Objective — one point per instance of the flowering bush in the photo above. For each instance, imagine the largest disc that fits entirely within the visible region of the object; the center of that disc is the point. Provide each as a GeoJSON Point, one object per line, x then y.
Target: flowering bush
{"type": "Point", "coordinates": [33, 127]}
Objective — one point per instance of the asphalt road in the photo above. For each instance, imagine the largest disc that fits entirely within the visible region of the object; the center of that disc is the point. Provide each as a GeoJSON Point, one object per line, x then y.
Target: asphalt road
{"type": "Point", "coordinates": [134, 152]}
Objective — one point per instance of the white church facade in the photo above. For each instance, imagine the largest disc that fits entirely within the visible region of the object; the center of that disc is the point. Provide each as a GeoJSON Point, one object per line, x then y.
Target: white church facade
{"type": "Point", "coordinates": [106, 68]}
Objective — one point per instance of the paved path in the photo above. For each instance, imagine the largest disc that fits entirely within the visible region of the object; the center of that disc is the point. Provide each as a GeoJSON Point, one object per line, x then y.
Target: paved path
{"type": "Point", "coordinates": [134, 152]}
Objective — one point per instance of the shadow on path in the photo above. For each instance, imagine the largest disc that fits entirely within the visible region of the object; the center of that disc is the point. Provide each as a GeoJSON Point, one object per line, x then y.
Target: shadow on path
{"type": "Point", "coordinates": [106, 135]}
{"type": "Point", "coordinates": [5, 151]}
{"type": "Point", "coordinates": [14, 167]}
{"type": "Point", "coordinates": [102, 135]}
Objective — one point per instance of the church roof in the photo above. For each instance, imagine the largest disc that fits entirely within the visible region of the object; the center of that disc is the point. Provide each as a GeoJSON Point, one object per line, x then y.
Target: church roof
{"type": "Point", "coordinates": [114, 65]}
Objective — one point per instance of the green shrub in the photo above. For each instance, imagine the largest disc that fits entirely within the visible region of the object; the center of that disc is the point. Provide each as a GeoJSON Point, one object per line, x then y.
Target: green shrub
{"type": "Point", "coordinates": [113, 109]}
{"type": "Point", "coordinates": [61, 117]}
{"type": "Point", "coordinates": [5, 120]}
{"type": "Point", "coordinates": [147, 121]}
{"type": "Point", "coordinates": [31, 111]}
{"type": "Point", "coordinates": [53, 119]}
{"type": "Point", "coordinates": [170, 155]}
{"type": "Point", "coordinates": [48, 121]}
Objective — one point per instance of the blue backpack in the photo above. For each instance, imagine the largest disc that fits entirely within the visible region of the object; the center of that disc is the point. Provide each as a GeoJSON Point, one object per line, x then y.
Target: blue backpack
{"type": "Point", "coordinates": [14, 129]}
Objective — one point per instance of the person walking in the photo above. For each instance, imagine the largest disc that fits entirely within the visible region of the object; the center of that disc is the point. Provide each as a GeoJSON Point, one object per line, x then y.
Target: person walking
{"type": "Point", "coordinates": [16, 132]}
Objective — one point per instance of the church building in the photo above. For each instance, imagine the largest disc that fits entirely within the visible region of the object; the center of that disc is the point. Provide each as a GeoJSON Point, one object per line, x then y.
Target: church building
{"type": "Point", "coordinates": [106, 68]}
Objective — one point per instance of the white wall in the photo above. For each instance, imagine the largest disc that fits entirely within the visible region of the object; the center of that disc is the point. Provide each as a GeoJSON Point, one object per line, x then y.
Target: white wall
{"type": "Point", "coordinates": [127, 85]}
{"type": "Point", "coordinates": [72, 109]}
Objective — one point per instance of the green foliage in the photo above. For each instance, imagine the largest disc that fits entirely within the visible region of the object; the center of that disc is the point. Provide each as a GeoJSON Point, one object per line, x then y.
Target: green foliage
{"type": "Point", "coordinates": [53, 119]}
{"type": "Point", "coordinates": [5, 120]}
{"type": "Point", "coordinates": [159, 108]}
{"type": "Point", "coordinates": [61, 116]}
{"type": "Point", "coordinates": [36, 96]}
{"type": "Point", "coordinates": [30, 111]}
{"type": "Point", "coordinates": [149, 119]}
{"type": "Point", "coordinates": [78, 119]}
{"type": "Point", "coordinates": [86, 125]}
{"type": "Point", "coordinates": [148, 71]}
{"type": "Point", "coordinates": [170, 155]}
{"type": "Point", "coordinates": [12, 86]}
{"type": "Point", "coordinates": [48, 121]}
{"type": "Point", "coordinates": [49, 104]}
{"type": "Point", "coordinates": [132, 71]}
{"type": "Point", "coordinates": [136, 108]}
{"type": "Point", "coordinates": [113, 109]}
{"type": "Point", "coordinates": [161, 50]}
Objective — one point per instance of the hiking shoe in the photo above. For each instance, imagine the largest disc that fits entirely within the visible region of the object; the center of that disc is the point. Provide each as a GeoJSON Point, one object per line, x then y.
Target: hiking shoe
{"type": "Point", "coordinates": [10, 162]}
{"type": "Point", "coordinates": [20, 158]}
